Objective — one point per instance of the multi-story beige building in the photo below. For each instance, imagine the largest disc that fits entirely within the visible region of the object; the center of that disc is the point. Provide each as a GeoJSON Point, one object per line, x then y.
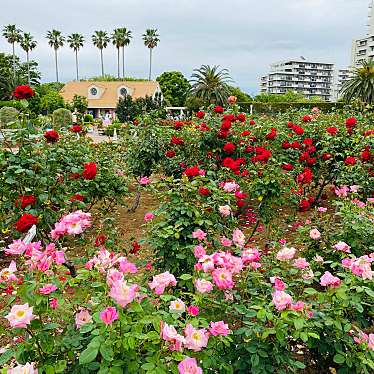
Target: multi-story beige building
{"type": "Point", "coordinates": [363, 48]}
{"type": "Point", "coordinates": [308, 78]}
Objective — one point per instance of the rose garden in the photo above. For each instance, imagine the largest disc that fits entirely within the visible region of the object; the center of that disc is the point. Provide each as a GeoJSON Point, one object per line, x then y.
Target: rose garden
{"type": "Point", "coordinates": [254, 253]}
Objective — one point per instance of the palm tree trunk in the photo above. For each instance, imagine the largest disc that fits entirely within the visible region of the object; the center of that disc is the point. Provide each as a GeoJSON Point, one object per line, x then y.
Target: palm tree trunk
{"type": "Point", "coordinates": [118, 62]}
{"type": "Point", "coordinates": [56, 65]}
{"type": "Point", "coordinates": [76, 63]}
{"type": "Point", "coordinates": [14, 62]}
{"type": "Point", "coordinates": [123, 62]}
{"type": "Point", "coordinates": [28, 67]}
{"type": "Point", "coordinates": [150, 64]}
{"type": "Point", "coordinates": [102, 62]}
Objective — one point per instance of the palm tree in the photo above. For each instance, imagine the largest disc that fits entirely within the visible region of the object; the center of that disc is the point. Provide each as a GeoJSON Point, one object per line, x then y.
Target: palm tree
{"type": "Point", "coordinates": [127, 34]}
{"type": "Point", "coordinates": [118, 41]}
{"type": "Point", "coordinates": [100, 40]}
{"type": "Point", "coordinates": [150, 41]}
{"type": "Point", "coordinates": [28, 44]}
{"type": "Point", "coordinates": [211, 84]}
{"type": "Point", "coordinates": [13, 36]}
{"type": "Point", "coordinates": [55, 40]}
{"type": "Point", "coordinates": [361, 85]}
{"type": "Point", "coordinates": [76, 42]}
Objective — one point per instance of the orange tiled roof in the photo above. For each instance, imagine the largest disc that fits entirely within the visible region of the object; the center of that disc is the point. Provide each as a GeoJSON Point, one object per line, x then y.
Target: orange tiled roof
{"type": "Point", "coordinates": [108, 92]}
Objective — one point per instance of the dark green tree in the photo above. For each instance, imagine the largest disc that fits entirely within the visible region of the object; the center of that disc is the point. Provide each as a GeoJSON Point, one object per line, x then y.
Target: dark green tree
{"type": "Point", "coordinates": [174, 87]}
{"type": "Point", "coordinates": [78, 103]}
{"type": "Point", "coordinates": [242, 97]}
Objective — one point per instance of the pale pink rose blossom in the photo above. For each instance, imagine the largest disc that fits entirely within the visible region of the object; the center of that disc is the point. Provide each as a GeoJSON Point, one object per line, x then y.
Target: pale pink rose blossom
{"type": "Point", "coordinates": [238, 238]}
{"type": "Point", "coordinates": [286, 254]}
{"type": "Point", "coordinates": [319, 259]}
{"type": "Point", "coordinates": [48, 289]}
{"type": "Point", "coordinates": [161, 281]}
{"type": "Point", "coordinates": [127, 267]}
{"type": "Point", "coordinates": [23, 369]}
{"type": "Point", "coordinates": [113, 276]}
{"type": "Point", "coordinates": [199, 234]}
{"type": "Point", "coordinates": [195, 339]}
{"type": "Point", "coordinates": [199, 251]}
{"type": "Point", "coordinates": [250, 255]}
{"type": "Point", "coordinates": [226, 242]}
{"type": "Point", "coordinates": [342, 246]}
{"type": "Point", "coordinates": [328, 279]}
{"type": "Point", "coordinates": [219, 328]}
{"type": "Point", "coordinates": [279, 285]}
{"type": "Point", "coordinates": [72, 224]}
{"type": "Point", "coordinates": [82, 318]}
{"type": "Point", "coordinates": [109, 315]}
{"type": "Point", "coordinates": [144, 181]}
{"type": "Point", "coordinates": [7, 274]}
{"type": "Point", "coordinates": [354, 188]}
{"type": "Point", "coordinates": [301, 263]}
{"type": "Point", "coordinates": [342, 191]}
{"type": "Point", "coordinates": [18, 247]}
{"type": "Point", "coordinates": [177, 306]}
{"type": "Point", "coordinates": [203, 286]}
{"type": "Point", "coordinates": [281, 300]}
{"type": "Point", "coordinates": [189, 366]}
{"type": "Point", "coordinates": [20, 316]}
{"type": "Point", "coordinates": [315, 234]}
{"type": "Point", "coordinates": [371, 342]}
{"type": "Point", "coordinates": [298, 306]}
{"type": "Point", "coordinates": [322, 209]}
{"type": "Point", "coordinates": [224, 210]}
{"type": "Point", "coordinates": [123, 293]}
{"type": "Point", "coordinates": [222, 278]}
{"type": "Point", "coordinates": [231, 186]}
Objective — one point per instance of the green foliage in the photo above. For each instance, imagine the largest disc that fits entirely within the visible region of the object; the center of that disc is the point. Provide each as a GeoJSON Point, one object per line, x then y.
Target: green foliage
{"type": "Point", "coordinates": [242, 97]}
{"type": "Point", "coordinates": [78, 103]}
{"type": "Point", "coordinates": [174, 87]}
{"type": "Point", "coordinates": [8, 114]}
{"type": "Point", "coordinates": [88, 118]}
{"type": "Point", "coordinates": [111, 78]}
{"type": "Point", "coordinates": [62, 118]}
{"type": "Point", "coordinates": [289, 96]}
{"type": "Point", "coordinates": [51, 101]}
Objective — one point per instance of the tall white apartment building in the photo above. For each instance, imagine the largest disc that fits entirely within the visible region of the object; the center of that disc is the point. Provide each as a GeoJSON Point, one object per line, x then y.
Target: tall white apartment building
{"type": "Point", "coordinates": [363, 48]}
{"type": "Point", "coordinates": [308, 78]}
{"type": "Point", "coordinates": [340, 77]}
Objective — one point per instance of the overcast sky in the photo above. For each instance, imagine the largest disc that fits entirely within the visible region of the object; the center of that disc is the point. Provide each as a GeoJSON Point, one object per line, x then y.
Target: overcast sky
{"type": "Point", "coordinates": [244, 36]}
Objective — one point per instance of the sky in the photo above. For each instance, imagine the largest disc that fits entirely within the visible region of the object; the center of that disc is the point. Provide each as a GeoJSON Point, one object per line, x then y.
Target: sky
{"type": "Point", "coordinates": [244, 36]}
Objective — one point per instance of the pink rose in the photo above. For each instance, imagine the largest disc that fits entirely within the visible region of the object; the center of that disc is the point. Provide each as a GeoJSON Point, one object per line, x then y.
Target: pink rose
{"type": "Point", "coordinates": [219, 328]}
{"type": "Point", "coordinates": [328, 279]}
{"type": "Point", "coordinates": [20, 316]}
{"type": "Point", "coordinates": [47, 289]}
{"type": "Point", "coordinates": [315, 234]}
{"type": "Point", "coordinates": [148, 217]}
{"type": "Point", "coordinates": [193, 310]}
{"type": "Point", "coordinates": [109, 315]}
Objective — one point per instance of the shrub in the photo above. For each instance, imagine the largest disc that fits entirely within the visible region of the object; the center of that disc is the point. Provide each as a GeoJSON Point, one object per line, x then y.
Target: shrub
{"type": "Point", "coordinates": [8, 114]}
{"type": "Point", "coordinates": [88, 118]}
{"type": "Point", "coordinates": [62, 118]}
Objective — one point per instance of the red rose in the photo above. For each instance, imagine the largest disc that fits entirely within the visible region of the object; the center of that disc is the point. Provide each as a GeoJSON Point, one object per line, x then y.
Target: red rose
{"type": "Point", "coordinates": [170, 154]}
{"type": "Point", "coordinates": [240, 117]}
{"type": "Point", "coordinates": [226, 125]}
{"type": "Point", "coordinates": [192, 172]}
{"type": "Point", "coordinates": [100, 240]}
{"type": "Point", "coordinates": [203, 191]}
{"type": "Point", "coordinates": [252, 122]}
{"type": "Point", "coordinates": [245, 133]}
{"type": "Point", "coordinates": [350, 160]}
{"type": "Point", "coordinates": [308, 142]}
{"type": "Point", "coordinates": [76, 197]}
{"type": "Point", "coordinates": [177, 141]}
{"type": "Point", "coordinates": [366, 155]}
{"type": "Point", "coordinates": [240, 203]}
{"type": "Point", "coordinates": [25, 222]}
{"type": "Point", "coordinates": [305, 177]}
{"type": "Point", "coordinates": [135, 122]}
{"type": "Point", "coordinates": [51, 136]}
{"type": "Point", "coordinates": [178, 125]}
{"type": "Point", "coordinates": [229, 117]}
{"type": "Point", "coordinates": [25, 200]}
{"type": "Point", "coordinates": [76, 128]}
{"type": "Point", "coordinates": [326, 156]}
{"type": "Point", "coordinates": [290, 125]}
{"type": "Point", "coordinates": [23, 92]}
{"type": "Point", "coordinates": [332, 130]}
{"type": "Point", "coordinates": [304, 205]}
{"type": "Point", "coordinates": [272, 134]}
{"type": "Point", "coordinates": [218, 109]}
{"type": "Point", "coordinates": [298, 130]}
{"type": "Point", "coordinates": [90, 171]}
{"type": "Point", "coordinates": [223, 134]}
{"type": "Point", "coordinates": [295, 145]}
{"type": "Point", "coordinates": [286, 144]}
{"type": "Point", "coordinates": [369, 132]}
{"type": "Point", "coordinates": [307, 118]}
{"type": "Point", "coordinates": [351, 122]}
{"type": "Point", "coordinates": [229, 147]}
{"type": "Point", "coordinates": [200, 114]}
{"type": "Point", "coordinates": [287, 167]}
{"type": "Point", "coordinates": [135, 248]}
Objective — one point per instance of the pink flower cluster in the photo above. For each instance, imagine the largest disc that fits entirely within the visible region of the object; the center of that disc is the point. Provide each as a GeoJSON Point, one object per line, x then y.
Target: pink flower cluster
{"type": "Point", "coordinates": [161, 281]}
{"type": "Point", "coordinates": [344, 190]}
{"type": "Point", "coordinates": [192, 338]}
{"type": "Point", "coordinates": [328, 279]}
{"type": "Point", "coordinates": [286, 254]}
{"type": "Point", "coordinates": [102, 261]}
{"type": "Point", "coordinates": [23, 369]}
{"type": "Point", "coordinates": [342, 247]}
{"type": "Point", "coordinates": [189, 366]}
{"type": "Point", "coordinates": [360, 266]}
{"type": "Point", "coordinates": [364, 338]}
{"type": "Point", "coordinates": [72, 224]}
{"type": "Point", "coordinates": [7, 274]}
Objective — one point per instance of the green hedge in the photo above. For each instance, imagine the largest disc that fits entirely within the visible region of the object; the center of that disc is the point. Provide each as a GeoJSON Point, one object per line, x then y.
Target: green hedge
{"type": "Point", "coordinates": [11, 103]}
{"type": "Point", "coordinates": [274, 108]}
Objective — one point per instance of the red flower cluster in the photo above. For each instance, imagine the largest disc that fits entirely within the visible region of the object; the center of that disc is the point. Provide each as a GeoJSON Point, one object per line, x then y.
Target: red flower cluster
{"type": "Point", "coordinates": [272, 134]}
{"type": "Point", "coordinates": [241, 117]}
{"type": "Point", "coordinates": [350, 160]}
{"type": "Point", "coordinates": [218, 109]}
{"type": "Point", "coordinates": [170, 154]}
{"type": "Point", "coordinates": [76, 197]}
{"type": "Point", "coordinates": [51, 136]}
{"type": "Point", "coordinates": [234, 165]}
{"type": "Point", "coordinates": [176, 141]}
{"type": "Point", "coordinates": [332, 130]}
{"type": "Point", "coordinates": [90, 171]}
{"type": "Point", "coordinates": [25, 200]}
{"type": "Point", "coordinates": [178, 125]}
{"type": "Point", "coordinates": [350, 123]}
{"type": "Point", "coordinates": [366, 154]}
{"type": "Point", "coordinates": [23, 92]}
{"type": "Point", "coordinates": [25, 222]}
{"type": "Point", "coordinates": [307, 119]}
{"type": "Point", "coordinates": [287, 167]}
{"type": "Point", "coordinates": [76, 128]}
{"type": "Point", "coordinates": [229, 148]}
{"type": "Point", "coordinates": [305, 177]}
{"type": "Point", "coordinates": [135, 248]}
{"type": "Point", "coordinates": [100, 240]}
{"type": "Point", "coordinates": [200, 114]}
{"type": "Point", "coordinates": [204, 191]}
{"type": "Point", "coordinates": [262, 155]}
{"type": "Point", "coordinates": [194, 171]}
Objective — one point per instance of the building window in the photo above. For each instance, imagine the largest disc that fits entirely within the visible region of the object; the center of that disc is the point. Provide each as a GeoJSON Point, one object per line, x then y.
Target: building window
{"type": "Point", "coordinates": [123, 91]}
{"type": "Point", "coordinates": [93, 91]}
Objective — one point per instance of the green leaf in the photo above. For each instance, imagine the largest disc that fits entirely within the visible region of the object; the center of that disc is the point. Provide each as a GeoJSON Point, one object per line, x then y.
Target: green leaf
{"type": "Point", "coordinates": [299, 323]}
{"type": "Point", "coordinates": [6, 356]}
{"type": "Point", "coordinates": [261, 314]}
{"type": "Point", "coordinates": [106, 351]}
{"type": "Point", "coordinates": [339, 358]}
{"type": "Point", "coordinates": [148, 366]}
{"type": "Point", "coordinates": [88, 355]}
{"type": "Point", "coordinates": [185, 276]}
{"type": "Point", "coordinates": [60, 366]}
